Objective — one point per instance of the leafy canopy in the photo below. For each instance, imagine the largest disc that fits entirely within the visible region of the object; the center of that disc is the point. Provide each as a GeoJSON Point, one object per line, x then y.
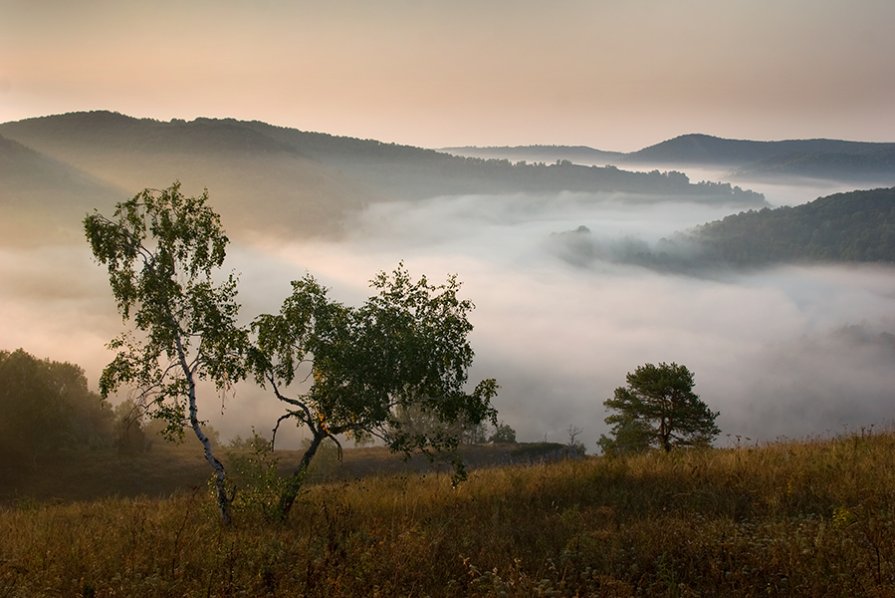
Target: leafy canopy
{"type": "Point", "coordinates": [161, 250]}
{"type": "Point", "coordinates": [658, 408]}
{"type": "Point", "coordinates": [406, 347]}
{"type": "Point", "coordinates": [357, 369]}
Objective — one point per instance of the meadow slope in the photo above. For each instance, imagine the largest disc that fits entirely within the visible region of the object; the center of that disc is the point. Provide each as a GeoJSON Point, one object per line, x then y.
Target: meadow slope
{"type": "Point", "coordinates": [794, 518]}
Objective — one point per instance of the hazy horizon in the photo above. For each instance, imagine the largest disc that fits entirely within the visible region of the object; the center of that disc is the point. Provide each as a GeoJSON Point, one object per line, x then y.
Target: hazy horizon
{"type": "Point", "coordinates": [610, 75]}
{"type": "Point", "coordinates": [790, 351]}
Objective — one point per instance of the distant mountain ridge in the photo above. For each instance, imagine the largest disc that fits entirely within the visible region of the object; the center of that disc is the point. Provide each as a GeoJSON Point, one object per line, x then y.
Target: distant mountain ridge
{"type": "Point", "coordinates": [269, 179]}
{"type": "Point", "coordinates": [814, 158]}
{"type": "Point", "coordinates": [698, 148]}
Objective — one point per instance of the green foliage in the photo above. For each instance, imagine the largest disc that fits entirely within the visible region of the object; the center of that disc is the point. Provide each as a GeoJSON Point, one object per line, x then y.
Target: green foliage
{"type": "Point", "coordinates": [404, 350]}
{"type": "Point", "coordinates": [46, 406]}
{"type": "Point", "coordinates": [162, 251]}
{"type": "Point", "coordinates": [658, 408]}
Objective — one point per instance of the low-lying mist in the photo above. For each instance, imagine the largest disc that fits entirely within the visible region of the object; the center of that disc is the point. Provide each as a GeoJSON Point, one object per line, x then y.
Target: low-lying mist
{"type": "Point", "coordinates": [789, 351]}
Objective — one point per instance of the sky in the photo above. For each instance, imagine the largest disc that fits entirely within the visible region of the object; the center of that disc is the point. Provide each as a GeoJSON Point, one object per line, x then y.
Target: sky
{"type": "Point", "coordinates": [616, 75]}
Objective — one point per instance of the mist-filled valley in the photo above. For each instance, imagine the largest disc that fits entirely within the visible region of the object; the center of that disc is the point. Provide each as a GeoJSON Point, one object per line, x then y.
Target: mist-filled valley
{"type": "Point", "coordinates": [781, 350]}
{"type": "Point", "coordinates": [487, 299]}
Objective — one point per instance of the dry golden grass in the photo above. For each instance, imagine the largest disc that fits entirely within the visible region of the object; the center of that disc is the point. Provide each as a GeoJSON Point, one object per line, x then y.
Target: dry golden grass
{"type": "Point", "coordinates": [802, 519]}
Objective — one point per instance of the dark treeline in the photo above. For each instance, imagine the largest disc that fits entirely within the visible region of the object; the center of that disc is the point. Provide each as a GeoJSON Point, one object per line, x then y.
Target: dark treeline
{"type": "Point", "coordinates": [580, 154]}
{"type": "Point", "coordinates": [47, 407]}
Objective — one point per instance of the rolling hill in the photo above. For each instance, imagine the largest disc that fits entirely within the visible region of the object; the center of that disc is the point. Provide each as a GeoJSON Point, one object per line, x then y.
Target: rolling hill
{"type": "Point", "coordinates": [853, 227]}
{"type": "Point", "coordinates": [266, 179]}
{"type": "Point", "coordinates": [858, 226]}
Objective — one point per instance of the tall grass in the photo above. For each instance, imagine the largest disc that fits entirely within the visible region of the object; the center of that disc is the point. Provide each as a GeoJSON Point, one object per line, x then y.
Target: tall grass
{"type": "Point", "coordinates": [803, 519]}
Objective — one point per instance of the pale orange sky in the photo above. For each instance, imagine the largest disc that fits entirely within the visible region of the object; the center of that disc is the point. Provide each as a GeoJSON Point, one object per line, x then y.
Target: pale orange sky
{"type": "Point", "coordinates": [610, 74]}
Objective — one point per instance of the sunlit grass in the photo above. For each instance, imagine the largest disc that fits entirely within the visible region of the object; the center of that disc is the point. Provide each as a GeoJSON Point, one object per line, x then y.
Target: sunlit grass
{"type": "Point", "coordinates": [798, 518]}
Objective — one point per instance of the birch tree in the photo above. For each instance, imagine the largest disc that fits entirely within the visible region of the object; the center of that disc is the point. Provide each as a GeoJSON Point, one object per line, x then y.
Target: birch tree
{"type": "Point", "coordinates": [163, 252]}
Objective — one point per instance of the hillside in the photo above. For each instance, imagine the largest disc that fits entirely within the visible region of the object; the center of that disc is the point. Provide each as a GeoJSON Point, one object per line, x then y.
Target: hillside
{"type": "Point", "coordinates": [788, 519]}
{"type": "Point", "coordinates": [41, 197]}
{"type": "Point", "coordinates": [855, 227]}
{"type": "Point", "coordinates": [254, 181]}
{"type": "Point", "coordinates": [166, 469]}
{"type": "Point", "coordinates": [858, 226]}
{"type": "Point", "coordinates": [272, 179]}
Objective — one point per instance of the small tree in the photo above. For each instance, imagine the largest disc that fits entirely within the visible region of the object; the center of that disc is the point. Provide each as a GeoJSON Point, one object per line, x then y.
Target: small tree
{"type": "Point", "coordinates": [162, 250]}
{"type": "Point", "coordinates": [658, 408]}
{"type": "Point", "coordinates": [404, 351]}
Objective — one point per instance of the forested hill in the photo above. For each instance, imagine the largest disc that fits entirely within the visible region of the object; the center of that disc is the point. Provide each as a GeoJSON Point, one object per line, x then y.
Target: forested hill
{"type": "Point", "coordinates": [815, 158]}
{"type": "Point", "coordinates": [858, 226]}
{"type": "Point", "coordinates": [265, 177]}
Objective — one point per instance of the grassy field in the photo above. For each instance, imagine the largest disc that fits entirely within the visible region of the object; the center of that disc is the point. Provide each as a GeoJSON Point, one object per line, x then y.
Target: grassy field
{"type": "Point", "coordinates": [788, 519]}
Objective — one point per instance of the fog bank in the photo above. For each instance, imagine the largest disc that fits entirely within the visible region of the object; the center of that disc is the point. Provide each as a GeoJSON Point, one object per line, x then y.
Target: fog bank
{"type": "Point", "coordinates": [789, 351]}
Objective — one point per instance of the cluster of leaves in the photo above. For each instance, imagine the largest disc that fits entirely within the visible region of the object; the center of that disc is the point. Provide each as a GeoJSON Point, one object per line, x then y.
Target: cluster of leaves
{"type": "Point", "coordinates": [162, 251]}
